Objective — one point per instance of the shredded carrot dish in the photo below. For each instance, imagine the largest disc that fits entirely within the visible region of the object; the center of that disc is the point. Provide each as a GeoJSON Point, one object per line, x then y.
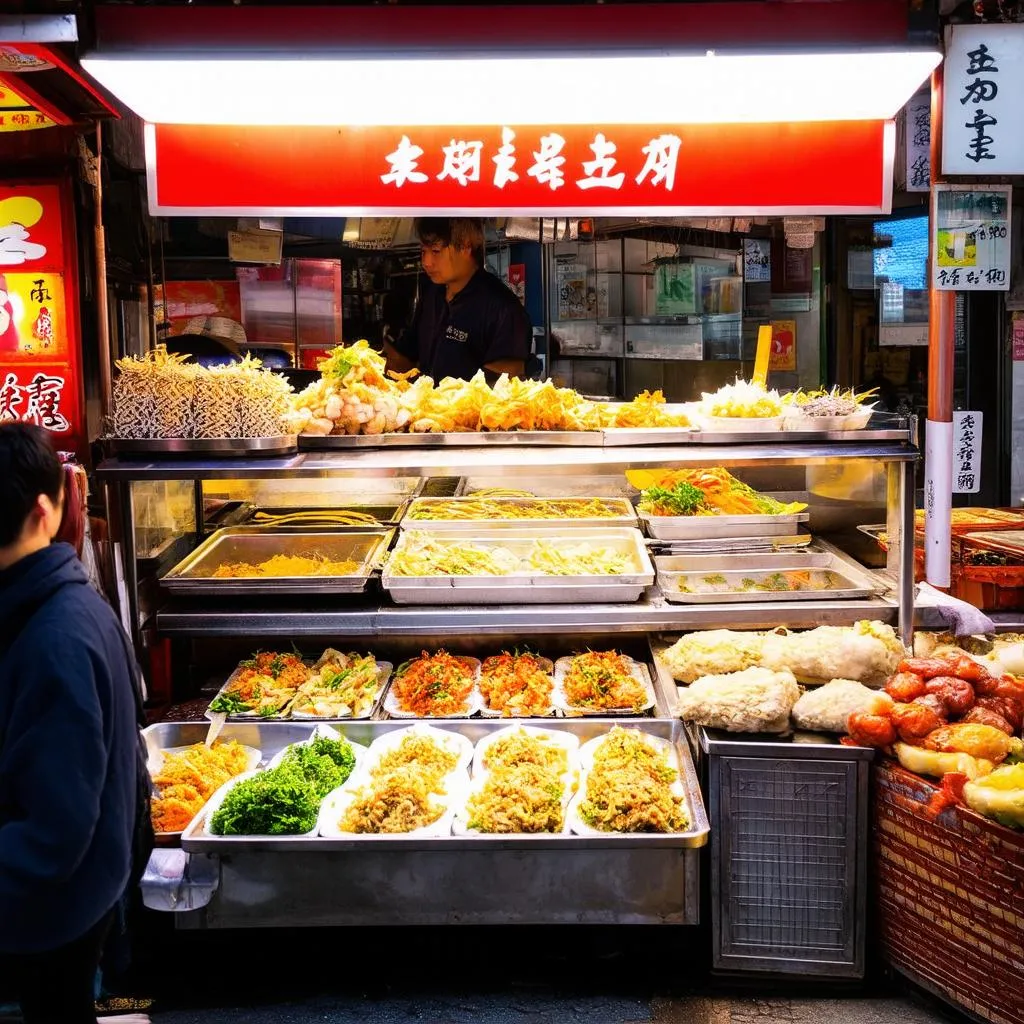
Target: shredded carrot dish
{"type": "Point", "coordinates": [517, 684]}
{"type": "Point", "coordinates": [187, 779]}
{"type": "Point", "coordinates": [435, 684]}
{"type": "Point", "coordinates": [286, 565]}
{"type": "Point", "coordinates": [603, 680]}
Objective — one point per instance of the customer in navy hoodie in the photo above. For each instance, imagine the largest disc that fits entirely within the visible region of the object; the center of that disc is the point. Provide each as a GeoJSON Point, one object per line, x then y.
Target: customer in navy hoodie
{"type": "Point", "coordinates": [68, 747]}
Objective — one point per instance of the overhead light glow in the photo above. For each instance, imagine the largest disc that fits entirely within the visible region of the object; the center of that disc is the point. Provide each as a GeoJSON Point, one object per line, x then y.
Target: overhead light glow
{"type": "Point", "coordinates": [662, 89]}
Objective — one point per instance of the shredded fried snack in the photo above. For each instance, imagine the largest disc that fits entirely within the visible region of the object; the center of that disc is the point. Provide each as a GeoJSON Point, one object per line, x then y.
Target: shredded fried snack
{"type": "Point", "coordinates": [266, 682]}
{"type": "Point", "coordinates": [520, 748]}
{"type": "Point", "coordinates": [708, 492]}
{"type": "Point", "coordinates": [342, 685]}
{"type": "Point", "coordinates": [523, 798]}
{"type": "Point", "coordinates": [742, 400]}
{"type": "Point", "coordinates": [517, 684]}
{"type": "Point", "coordinates": [401, 801]}
{"type": "Point", "coordinates": [629, 788]}
{"type": "Point", "coordinates": [603, 680]}
{"type": "Point", "coordinates": [420, 754]}
{"type": "Point", "coordinates": [580, 560]}
{"type": "Point", "coordinates": [287, 565]}
{"type": "Point", "coordinates": [435, 684]}
{"type": "Point", "coordinates": [187, 779]}
{"type": "Point", "coordinates": [481, 509]}
{"type": "Point", "coordinates": [422, 554]}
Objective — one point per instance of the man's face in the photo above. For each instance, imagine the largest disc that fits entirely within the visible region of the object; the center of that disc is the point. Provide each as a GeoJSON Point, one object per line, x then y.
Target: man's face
{"type": "Point", "coordinates": [444, 264]}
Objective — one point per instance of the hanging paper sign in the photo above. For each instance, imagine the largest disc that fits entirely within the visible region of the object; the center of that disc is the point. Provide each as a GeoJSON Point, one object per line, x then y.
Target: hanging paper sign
{"type": "Point", "coordinates": [516, 280]}
{"type": "Point", "coordinates": [918, 140]}
{"type": "Point", "coordinates": [757, 260]}
{"type": "Point", "coordinates": [982, 116]}
{"type": "Point", "coordinates": [971, 240]}
{"type": "Point", "coordinates": [967, 452]}
{"type": "Point", "coordinates": [783, 356]}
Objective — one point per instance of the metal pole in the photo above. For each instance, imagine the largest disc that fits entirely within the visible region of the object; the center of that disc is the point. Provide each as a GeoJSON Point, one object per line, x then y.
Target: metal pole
{"type": "Point", "coordinates": [102, 310]}
{"type": "Point", "coordinates": [938, 493]}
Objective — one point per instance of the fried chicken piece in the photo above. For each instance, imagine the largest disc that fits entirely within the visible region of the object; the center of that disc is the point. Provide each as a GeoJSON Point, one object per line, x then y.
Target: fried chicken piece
{"type": "Point", "coordinates": [981, 741]}
{"type": "Point", "coordinates": [868, 730]}
{"type": "Point", "coordinates": [957, 694]}
{"type": "Point", "coordinates": [934, 703]}
{"type": "Point", "coordinates": [1006, 707]}
{"type": "Point", "coordinates": [905, 686]}
{"type": "Point", "coordinates": [914, 721]}
{"type": "Point", "coordinates": [984, 716]}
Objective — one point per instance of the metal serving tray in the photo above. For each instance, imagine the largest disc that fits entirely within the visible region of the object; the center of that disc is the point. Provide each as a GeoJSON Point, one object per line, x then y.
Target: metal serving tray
{"type": "Point", "coordinates": [624, 515]}
{"type": "Point", "coordinates": [384, 670]}
{"type": "Point", "coordinates": [195, 840]}
{"type": "Point", "coordinates": [732, 545]}
{"type": "Point", "coordinates": [696, 527]}
{"type": "Point", "coordinates": [194, 575]}
{"type": "Point", "coordinates": [285, 444]}
{"type": "Point", "coordinates": [462, 439]}
{"type": "Point", "coordinates": [524, 588]}
{"type": "Point", "coordinates": [729, 572]}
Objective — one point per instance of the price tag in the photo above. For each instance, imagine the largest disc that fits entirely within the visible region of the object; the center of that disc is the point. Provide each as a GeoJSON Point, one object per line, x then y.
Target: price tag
{"type": "Point", "coordinates": [971, 242]}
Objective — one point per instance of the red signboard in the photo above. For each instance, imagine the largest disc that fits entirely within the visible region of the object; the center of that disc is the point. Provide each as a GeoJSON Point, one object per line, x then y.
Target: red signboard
{"type": "Point", "coordinates": [40, 358]}
{"type": "Point", "coordinates": [697, 169]}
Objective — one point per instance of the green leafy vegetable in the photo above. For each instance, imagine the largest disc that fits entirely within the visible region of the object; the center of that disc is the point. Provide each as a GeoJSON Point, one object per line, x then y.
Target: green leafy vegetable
{"type": "Point", "coordinates": [325, 764]}
{"type": "Point", "coordinates": [682, 500]}
{"type": "Point", "coordinates": [229, 704]}
{"type": "Point", "coordinates": [279, 802]}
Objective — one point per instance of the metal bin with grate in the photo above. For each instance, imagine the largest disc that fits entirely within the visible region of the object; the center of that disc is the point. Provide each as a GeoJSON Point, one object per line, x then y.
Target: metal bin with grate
{"type": "Point", "coordinates": [789, 824]}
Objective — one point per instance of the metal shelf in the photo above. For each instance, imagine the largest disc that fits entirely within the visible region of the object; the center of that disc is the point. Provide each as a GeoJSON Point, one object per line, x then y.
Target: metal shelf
{"type": "Point", "coordinates": [649, 615]}
{"type": "Point", "coordinates": [780, 450]}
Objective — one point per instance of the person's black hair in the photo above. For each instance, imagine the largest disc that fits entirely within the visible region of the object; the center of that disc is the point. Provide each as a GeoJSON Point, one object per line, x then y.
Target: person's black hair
{"type": "Point", "coordinates": [462, 232]}
{"type": "Point", "coordinates": [29, 466]}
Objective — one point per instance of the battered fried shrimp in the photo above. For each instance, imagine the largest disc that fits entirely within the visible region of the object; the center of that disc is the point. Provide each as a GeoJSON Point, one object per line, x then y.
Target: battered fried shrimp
{"type": "Point", "coordinates": [914, 721]}
{"type": "Point", "coordinates": [870, 730]}
{"type": "Point", "coordinates": [905, 686]}
{"type": "Point", "coordinates": [956, 694]}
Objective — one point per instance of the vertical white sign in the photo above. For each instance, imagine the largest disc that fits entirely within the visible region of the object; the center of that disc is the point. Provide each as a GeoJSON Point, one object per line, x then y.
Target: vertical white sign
{"type": "Point", "coordinates": [966, 452]}
{"type": "Point", "coordinates": [982, 112]}
{"type": "Point", "coordinates": [918, 141]}
{"type": "Point", "coordinates": [971, 240]}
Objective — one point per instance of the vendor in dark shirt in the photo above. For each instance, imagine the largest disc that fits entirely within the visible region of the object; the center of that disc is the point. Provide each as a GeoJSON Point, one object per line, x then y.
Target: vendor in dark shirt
{"type": "Point", "coordinates": [466, 319]}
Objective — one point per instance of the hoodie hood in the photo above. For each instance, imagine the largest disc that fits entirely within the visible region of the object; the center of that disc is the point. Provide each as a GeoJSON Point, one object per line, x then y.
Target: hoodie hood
{"type": "Point", "coordinates": [31, 582]}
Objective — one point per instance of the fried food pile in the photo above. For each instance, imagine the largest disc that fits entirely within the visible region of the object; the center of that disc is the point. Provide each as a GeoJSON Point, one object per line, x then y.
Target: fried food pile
{"type": "Point", "coordinates": [603, 681]}
{"type": "Point", "coordinates": [264, 684]}
{"type": "Point", "coordinates": [279, 566]}
{"type": "Point", "coordinates": [188, 778]}
{"type": "Point", "coordinates": [435, 685]}
{"type": "Point", "coordinates": [630, 787]}
{"type": "Point", "coordinates": [356, 395]}
{"type": "Point", "coordinates": [342, 685]}
{"type": "Point", "coordinates": [703, 492]}
{"type": "Point", "coordinates": [517, 685]}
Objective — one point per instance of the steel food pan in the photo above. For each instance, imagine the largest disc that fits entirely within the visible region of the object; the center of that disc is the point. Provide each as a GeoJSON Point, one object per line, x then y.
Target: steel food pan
{"type": "Point", "coordinates": [386, 513]}
{"type": "Point", "coordinates": [196, 841]}
{"type": "Point", "coordinates": [733, 545]}
{"type": "Point", "coordinates": [460, 439]}
{"type": "Point", "coordinates": [528, 587]}
{"type": "Point", "coordinates": [254, 544]}
{"type": "Point", "coordinates": [711, 527]}
{"type": "Point", "coordinates": [754, 578]}
{"type": "Point", "coordinates": [621, 509]}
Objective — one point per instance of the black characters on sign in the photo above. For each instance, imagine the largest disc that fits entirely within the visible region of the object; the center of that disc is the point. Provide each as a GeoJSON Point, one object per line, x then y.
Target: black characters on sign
{"type": "Point", "coordinates": [981, 89]}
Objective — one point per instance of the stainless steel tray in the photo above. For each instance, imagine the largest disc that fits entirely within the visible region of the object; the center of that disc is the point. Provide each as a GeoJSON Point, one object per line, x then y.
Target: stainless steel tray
{"type": "Point", "coordinates": [719, 580]}
{"type": "Point", "coordinates": [732, 545]}
{"type": "Point", "coordinates": [365, 545]}
{"type": "Point", "coordinates": [624, 515]}
{"type": "Point", "coordinates": [527, 588]}
{"type": "Point", "coordinates": [467, 439]}
{"type": "Point", "coordinates": [196, 841]}
{"type": "Point", "coordinates": [286, 444]}
{"type": "Point", "coordinates": [696, 527]}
